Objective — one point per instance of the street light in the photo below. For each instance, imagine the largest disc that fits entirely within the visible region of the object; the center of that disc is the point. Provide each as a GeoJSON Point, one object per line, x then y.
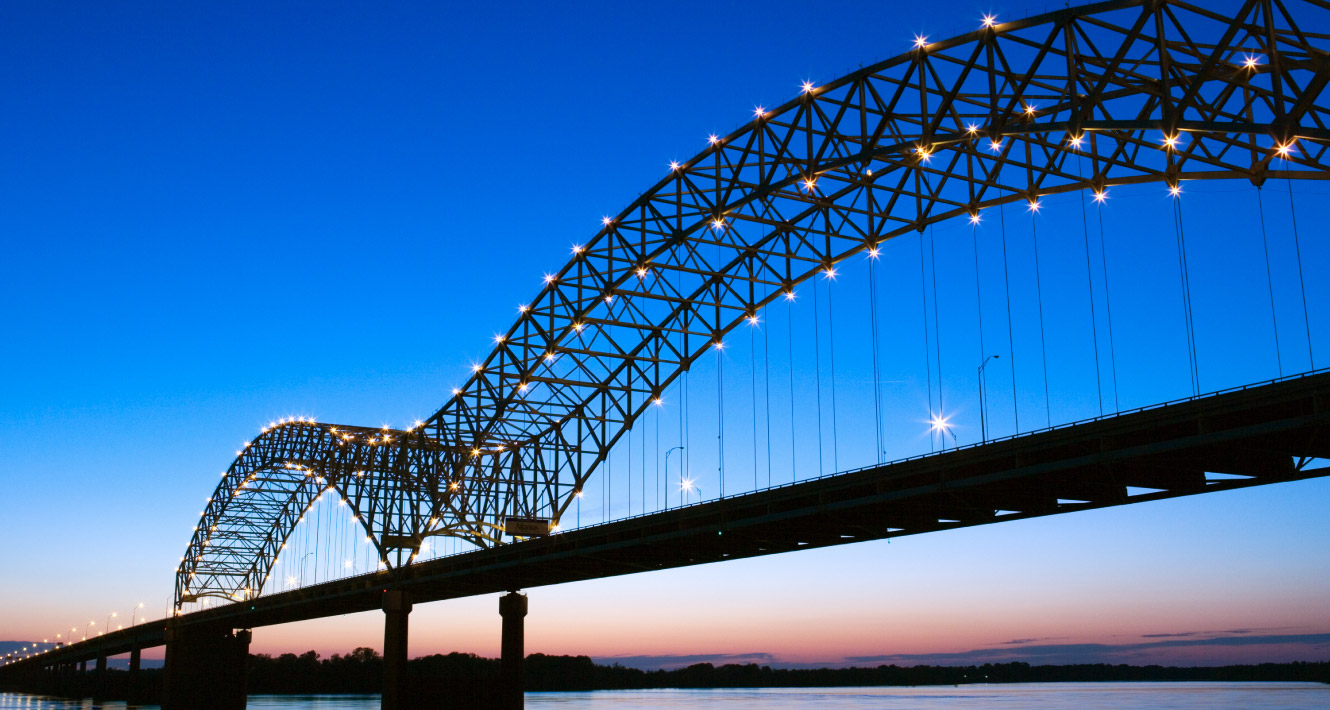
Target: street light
{"type": "Point", "coordinates": [132, 613]}
{"type": "Point", "coordinates": [983, 385]}
{"type": "Point", "coordinates": [108, 621]}
{"type": "Point", "coordinates": [91, 624]}
{"type": "Point", "coordinates": [667, 471]}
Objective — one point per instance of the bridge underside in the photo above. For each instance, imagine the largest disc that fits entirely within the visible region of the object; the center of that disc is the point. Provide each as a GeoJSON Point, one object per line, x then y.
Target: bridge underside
{"type": "Point", "coordinates": [1259, 435]}
{"type": "Point", "coordinates": [1255, 436]}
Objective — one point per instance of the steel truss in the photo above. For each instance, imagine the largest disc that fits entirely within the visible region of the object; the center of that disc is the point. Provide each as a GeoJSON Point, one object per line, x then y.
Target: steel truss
{"type": "Point", "coordinates": [1106, 94]}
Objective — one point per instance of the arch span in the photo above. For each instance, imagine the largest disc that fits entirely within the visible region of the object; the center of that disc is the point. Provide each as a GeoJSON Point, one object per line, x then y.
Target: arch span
{"type": "Point", "coordinates": [1111, 93]}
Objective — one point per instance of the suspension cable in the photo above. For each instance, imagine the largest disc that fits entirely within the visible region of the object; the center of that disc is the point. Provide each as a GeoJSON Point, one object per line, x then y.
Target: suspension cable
{"type": "Point", "coordinates": [877, 379]}
{"type": "Point", "coordinates": [1011, 339]}
{"type": "Point", "coordinates": [928, 353]}
{"type": "Point", "coordinates": [937, 330]}
{"type": "Point", "coordinates": [766, 399]}
{"type": "Point", "coordinates": [817, 365]}
{"type": "Point", "coordinates": [1269, 281]}
{"type": "Point", "coordinates": [655, 493]}
{"type": "Point", "coordinates": [752, 379]}
{"type": "Point", "coordinates": [720, 417]}
{"type": "Point", "coordinates": [789, 341]}
{"type": "Point", "coordinates": [831, 350]}
{"type": "Point", "coordinates": [1089, 286]}
{"type": "Point", "coordinates": [978, 293]}
{"type": "Point", "coordinates": [1108, 300]}
{"type": "Point", "coordinates": [1302, 284]}
{"type": "Point", "coordinates": [1183, 272]}
{"type": "Point", "coordinates": [1039, 295]}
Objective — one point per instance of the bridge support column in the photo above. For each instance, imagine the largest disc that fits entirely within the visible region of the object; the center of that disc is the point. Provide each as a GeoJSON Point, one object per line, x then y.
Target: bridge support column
{"type": "Point", "coordinates": [512, 654]}
{"type": "Point", "coordinates": [205, 668]}
{"type": "Point", "coordinates": [135, 661]}
{"type": "Point", "coordinates": [396, 610]}
{"type": "Point", "coordinates": [99, 679]}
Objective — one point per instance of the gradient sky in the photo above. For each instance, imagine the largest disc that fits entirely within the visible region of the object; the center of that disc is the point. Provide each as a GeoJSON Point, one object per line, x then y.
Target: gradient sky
{"type": "Point", "coordinates": [218, 214]}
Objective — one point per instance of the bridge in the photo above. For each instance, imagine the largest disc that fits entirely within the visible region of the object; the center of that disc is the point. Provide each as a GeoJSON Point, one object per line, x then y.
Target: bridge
{"type": "Point", "coordinates": [1075, 102]}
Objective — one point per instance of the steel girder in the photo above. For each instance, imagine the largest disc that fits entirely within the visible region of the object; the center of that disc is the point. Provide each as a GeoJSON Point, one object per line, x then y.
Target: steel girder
{"type": "Point", "coordinates": [1106, 94]}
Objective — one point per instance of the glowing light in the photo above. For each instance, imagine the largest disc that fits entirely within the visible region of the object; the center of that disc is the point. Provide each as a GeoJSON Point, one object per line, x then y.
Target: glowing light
{"type": "Point", "coordinates": [830, 273]}
{"type": "Point", "coordinates": [874, 253]}
{"type": "Point", "coordinates": [577, 248]}
{"type": "Point", "coordinates": [1076, 141]}
{"type": "Point", "coordinates": [658, 402]}
{"type": "Point", "coordinates": [346, 564]}
{"type": "Point", "coordinates": [418, 424]}
{"type": "Point", "coordinates": [989, 20]}
{"type": "Point", "coordinates": [578, 494]}
{"type": "Point", "coordinates": [752, 319]}
{"type": "Point", "coordinates": [974, 218]}
{"type": "Point", "coordinates": [498, 338]}
{"type": "Point", "coordinates": [1175, 190]}
{"type": "Point", "coordinates": [759, 111]}
{"type": "Point", "coordinates": [476, 367]}
{"type": "Point", "coordinates": [641, 272]}
{"type": "Point", "coordinates": [523, 308]}
{"type": "Point", "coordinates": [939, 423]}
{"type": "Point", "coordinates": [578, 327]}
{"type": "Point", "coordinates": [713, 139]}
{"type": "Point", "coordinates": [674, 165]}
{"type": "Point", "coordinates": [1030, 109]}
{"type": "Point", "coordinates": [549, 278]}
{"type": "Point", "coordinates": [920, 41]}
{"type": "Point", "coordinates": [1033, 206]}
{"type": "Point", "coordinates": [718, 223]}
{"type": "Point", "coordinates": [549, 357]}
{"type": "Point", "coordinates": [808, 87]}
{"type": "Point", "coordinates": [995, 145]}
{"type": "Point", "coordinates": [474, 452]}
{"type": "Point", "coordinates": [609, 299]}
{"type": "Point", "coordinates": [972, 128]}
{"type": "Point", "coordinates": [687, 485]}
{"type": "Point", "coordinates": [718, 345]}
{"type": "Point", "coordinates": [1250, 62]}
{"type": "Point", "coordinates": [1284, 150]}
{"type": "Point", "coordinates": [809, 184]}
{"type": "Point", "coordinates": [606, 221]}
{"type": "Point", "coordinates": [1170, 142]}
{"type": "Point", "coordinates": [789, 295]}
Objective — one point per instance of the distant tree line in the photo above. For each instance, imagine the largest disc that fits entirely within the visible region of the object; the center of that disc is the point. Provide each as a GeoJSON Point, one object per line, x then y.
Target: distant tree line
{"type": "Point", "coordinates": [361, 671]}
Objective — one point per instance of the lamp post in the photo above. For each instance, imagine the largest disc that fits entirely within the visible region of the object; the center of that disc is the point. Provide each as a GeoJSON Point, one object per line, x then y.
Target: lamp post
{"type": "Point", "coordinates": [91, 623]}
{"type": "Point", "coordinates": [108, 621]}
{"type": "Point", "coordinates": [667, 471]}
{"type": "Point", "coordinates": [983, 385]}
{"type": "Point", "coordinates": [133, 613]}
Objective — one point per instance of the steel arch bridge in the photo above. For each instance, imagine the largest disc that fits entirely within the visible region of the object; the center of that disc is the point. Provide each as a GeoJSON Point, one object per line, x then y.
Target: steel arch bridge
{"type": "Point", "coordinates": [1112, 93]}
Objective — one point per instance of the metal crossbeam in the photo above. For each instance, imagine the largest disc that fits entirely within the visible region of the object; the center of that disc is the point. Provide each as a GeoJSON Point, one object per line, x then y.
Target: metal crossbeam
{"type": "Point", "coordinates": [1084, 98]}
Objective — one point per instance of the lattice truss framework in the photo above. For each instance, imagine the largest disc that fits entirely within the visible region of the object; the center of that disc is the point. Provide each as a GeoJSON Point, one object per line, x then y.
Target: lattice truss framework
{"type": "Point", "coordinates": [1085, 98]}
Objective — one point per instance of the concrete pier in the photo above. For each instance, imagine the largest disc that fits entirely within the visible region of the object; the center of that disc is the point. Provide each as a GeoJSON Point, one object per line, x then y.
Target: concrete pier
{"type": "Point", "coordinates": [396, 611]}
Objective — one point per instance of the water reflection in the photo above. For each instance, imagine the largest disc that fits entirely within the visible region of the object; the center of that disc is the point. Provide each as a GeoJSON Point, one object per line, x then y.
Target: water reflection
{"type": "Point", "coordinates": [1040, 696]}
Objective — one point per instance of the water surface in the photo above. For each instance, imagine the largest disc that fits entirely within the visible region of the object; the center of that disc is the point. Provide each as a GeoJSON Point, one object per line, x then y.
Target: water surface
{"type": "Point", "coordinates": [1015, 696]}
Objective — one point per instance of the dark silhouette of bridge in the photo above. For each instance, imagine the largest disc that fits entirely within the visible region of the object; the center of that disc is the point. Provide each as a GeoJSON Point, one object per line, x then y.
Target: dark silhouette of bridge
{"type": "Point", "coordinates": [1113, 93]}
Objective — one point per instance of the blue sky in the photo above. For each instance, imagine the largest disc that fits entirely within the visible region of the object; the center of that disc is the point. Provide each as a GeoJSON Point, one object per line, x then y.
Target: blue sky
{"type": "Point", "coordinates": [219, 214]}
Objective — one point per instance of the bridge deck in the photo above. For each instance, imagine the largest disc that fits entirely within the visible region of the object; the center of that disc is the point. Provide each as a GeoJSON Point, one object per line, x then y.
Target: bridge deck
{"type": "Point", "coordinates": [1259, 434]}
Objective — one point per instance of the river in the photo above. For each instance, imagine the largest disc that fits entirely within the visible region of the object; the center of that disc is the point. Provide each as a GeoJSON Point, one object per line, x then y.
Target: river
{"type": "Point", "coordinates": [1017, 696]}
